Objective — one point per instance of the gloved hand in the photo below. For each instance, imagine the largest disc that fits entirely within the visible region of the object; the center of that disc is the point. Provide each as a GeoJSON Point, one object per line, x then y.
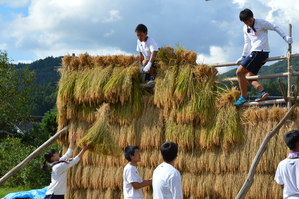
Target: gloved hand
{"type": "Point", "coordinates": [147, 67]}
{"type": "Point", "coordinates": [240, 60]}
{"type": "Point", "coordinates": [141, 69]}
{"type": "Point", "coordinates": [288, 39]}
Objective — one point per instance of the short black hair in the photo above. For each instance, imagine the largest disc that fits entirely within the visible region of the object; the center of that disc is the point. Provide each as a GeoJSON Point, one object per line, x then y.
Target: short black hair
{"type": "Point", "coordinates": [291, 138]}
{"type": "Point", "coordinates": [49, 154]}
{"type": "Point", "coordinates": [245, 15]}
{"type": "Point", "coordinates": [169, 151]}
{"type": "Point", "coordinates": [130, 150]}
{"type": "Point", "coordinates": [141, 28]}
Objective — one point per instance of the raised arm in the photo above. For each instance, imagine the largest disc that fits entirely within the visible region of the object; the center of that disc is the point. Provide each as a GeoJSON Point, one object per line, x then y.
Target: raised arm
{"type": "Point", "coordinates": [60, 168]}
{"type": "Point", "coordinates": [69, 152]}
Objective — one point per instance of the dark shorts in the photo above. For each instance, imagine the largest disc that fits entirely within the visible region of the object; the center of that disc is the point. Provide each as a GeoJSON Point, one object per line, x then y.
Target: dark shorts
{"type": "Point", "coordinates": [54, 197]}
{"type": "Point", "coordinates": [255, 61]}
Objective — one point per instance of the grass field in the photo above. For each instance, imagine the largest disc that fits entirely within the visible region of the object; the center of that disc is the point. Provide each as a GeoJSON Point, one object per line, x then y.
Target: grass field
{"type": "Point", "coordinates": [6, 190]}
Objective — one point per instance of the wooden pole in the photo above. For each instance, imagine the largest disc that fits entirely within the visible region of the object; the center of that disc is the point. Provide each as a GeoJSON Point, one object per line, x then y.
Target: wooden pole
{"type": "Point", "coordinates": [33, 155]}
{"type": "Point", "coordinates": [282, 90]}
{"type": "Point", "coordinates": [257, 77]}
{"type": "Point", "coordinates": [250, 177]}
{"type": "Point", "coordinates": [290, 68]}
{"type": "Point", "coordinates": [268, 60]}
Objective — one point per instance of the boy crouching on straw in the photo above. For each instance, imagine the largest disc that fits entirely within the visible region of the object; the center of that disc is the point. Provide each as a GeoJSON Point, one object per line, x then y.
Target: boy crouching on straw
{"type": "Point", "coordinates": [287, 173]}
{"type": "Point", "coordinates": [133, 183]}
{"type": "Point", "coordinates": [147, 48]}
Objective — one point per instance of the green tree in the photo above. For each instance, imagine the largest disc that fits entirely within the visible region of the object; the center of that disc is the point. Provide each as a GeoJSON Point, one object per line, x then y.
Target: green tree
{"type": "Point", "coordinates": [15, 87]}
{"type": "Point", "coordinates": [42, 131]}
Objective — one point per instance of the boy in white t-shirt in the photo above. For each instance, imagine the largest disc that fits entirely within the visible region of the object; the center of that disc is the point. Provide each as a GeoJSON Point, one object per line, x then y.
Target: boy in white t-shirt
{"type": "Point", "coordinates": [166, 178]}
{"type": "Point", "coordinates": [287, 173]}
{"type": "Point", "coordinates": [147, 48]}
{"type": "Point", "coordinates": [132, 181]}
{"type": "Point", "coordinates": [255, 53]}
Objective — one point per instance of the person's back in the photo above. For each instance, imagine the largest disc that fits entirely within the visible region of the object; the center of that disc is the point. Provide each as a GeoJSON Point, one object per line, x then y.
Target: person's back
{"type": "Point", "coordinates": [166, 181]}
{"type": "Point", "coordinates": [287, 173]}
{"type": "Point", "coordinates": [166, 178]}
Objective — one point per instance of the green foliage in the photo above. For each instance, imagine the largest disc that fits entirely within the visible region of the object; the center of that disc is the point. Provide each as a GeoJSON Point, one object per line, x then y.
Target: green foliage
{"type": "Point", "coordinates": [42, 131]}
{"type": "Point", "coordinates": [6, 190]}
{"type": "Point", "coordinates": [15, 87]}
{"type": "Point", "coordinates": [12, 152]}
{"type": "Point", "coordinates": [43, 98]}
{"type": "Point", "coordinates": [45, 69]}
{"type": "Point", "coordinates": [44, 89]}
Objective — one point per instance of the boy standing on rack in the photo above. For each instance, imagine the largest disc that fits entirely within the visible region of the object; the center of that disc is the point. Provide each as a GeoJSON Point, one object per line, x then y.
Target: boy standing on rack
{"type": "Point", "coordinates": [256, 40]}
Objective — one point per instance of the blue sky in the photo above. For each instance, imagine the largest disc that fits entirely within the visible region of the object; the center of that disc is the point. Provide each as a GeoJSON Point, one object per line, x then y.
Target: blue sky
{"type": "Point", "coordinates": [35, 29]}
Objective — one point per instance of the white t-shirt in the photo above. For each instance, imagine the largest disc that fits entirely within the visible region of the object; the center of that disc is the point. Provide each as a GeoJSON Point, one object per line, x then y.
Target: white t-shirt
{"type": "Point", "coordinates": [147, 47]}
{"type": "Point", "coordinates": [167, 182]}
{"type": "Point", "coordinates": [131, 175]}
{"type": "Point", "coordinates": [258, 41]}
{"type": "Point", "coordinates": [287, 174]}
{"type": "Point", "coordinates": [59, 174]}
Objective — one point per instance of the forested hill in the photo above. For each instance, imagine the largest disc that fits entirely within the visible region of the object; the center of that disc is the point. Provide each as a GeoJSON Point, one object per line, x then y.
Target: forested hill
{"type": "Point", "coordinates": [44, 90]}
{"type": "Point", "coordinates": [45, 69]}
{"type": "Point", "coordinates": [278, 67]}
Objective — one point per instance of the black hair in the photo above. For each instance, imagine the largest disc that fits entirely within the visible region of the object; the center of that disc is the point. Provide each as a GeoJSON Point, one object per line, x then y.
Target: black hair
{"type": "Point", "coordinates": [130, 150]}
{"type": "Point", "coordinates": [245, 15]}
{"type": "Point", "coordinates": [48, 155]}
{"type": "Point", "coordinates": [169, 151]}
{"type": "Point", "coordinates": [291, 138]}
{"type": "Point", "coordinates": [141, 28]}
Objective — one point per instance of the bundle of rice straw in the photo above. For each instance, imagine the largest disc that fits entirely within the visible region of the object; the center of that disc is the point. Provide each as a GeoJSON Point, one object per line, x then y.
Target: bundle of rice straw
{"type": "Point", "coordinates": [99, 138]}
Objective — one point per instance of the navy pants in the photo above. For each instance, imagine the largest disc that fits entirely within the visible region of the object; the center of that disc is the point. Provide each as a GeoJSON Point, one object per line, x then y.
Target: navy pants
{"type": "Point", "coordinates": [54, 197]}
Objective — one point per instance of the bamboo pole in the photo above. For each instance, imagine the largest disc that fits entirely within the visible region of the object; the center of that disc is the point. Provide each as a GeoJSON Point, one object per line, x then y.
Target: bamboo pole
{"type": "Point", "coordinates": [32, 155]}
{"type": "Point", "coordinates": [250, 177]}
{"type": "Point", "coordinates": [267, 60]}
{"type": "Point", "coordinates": [266, 102]}
{"type": "Point", "coordinates": [260, 77]}
{"type": "Point", "coordinates": [290, 67]}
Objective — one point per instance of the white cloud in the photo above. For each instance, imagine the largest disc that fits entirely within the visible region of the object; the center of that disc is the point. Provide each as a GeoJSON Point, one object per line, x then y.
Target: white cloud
{"type": "Point", "coordinates": [114, 15]}
{"type": "Point", "coordinates": [241, 3]}
{"type": "Point", "coordinates": [58, 27]}
{"type": "Point", "coordinates": [14, 3]}
{"type": "Point", "coordinates": [217, 55]}
{"type": "Point", "coordinates": [22, 61]}
{"type": "Point", "coordinates": [3, 46]}
{"type": "Point", "coordinates": [110, 33]}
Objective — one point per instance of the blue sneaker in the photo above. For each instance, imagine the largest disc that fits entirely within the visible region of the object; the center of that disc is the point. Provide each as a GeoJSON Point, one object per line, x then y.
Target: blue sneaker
{"type": "Point", "coordinates": [262, 96]}
{"type": "Point", "coordinates": [241, 101]}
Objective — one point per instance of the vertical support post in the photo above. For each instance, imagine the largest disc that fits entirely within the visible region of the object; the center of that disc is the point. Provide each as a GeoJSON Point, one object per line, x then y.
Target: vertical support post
{"type": "Point", "coordinates": [290, 69]}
